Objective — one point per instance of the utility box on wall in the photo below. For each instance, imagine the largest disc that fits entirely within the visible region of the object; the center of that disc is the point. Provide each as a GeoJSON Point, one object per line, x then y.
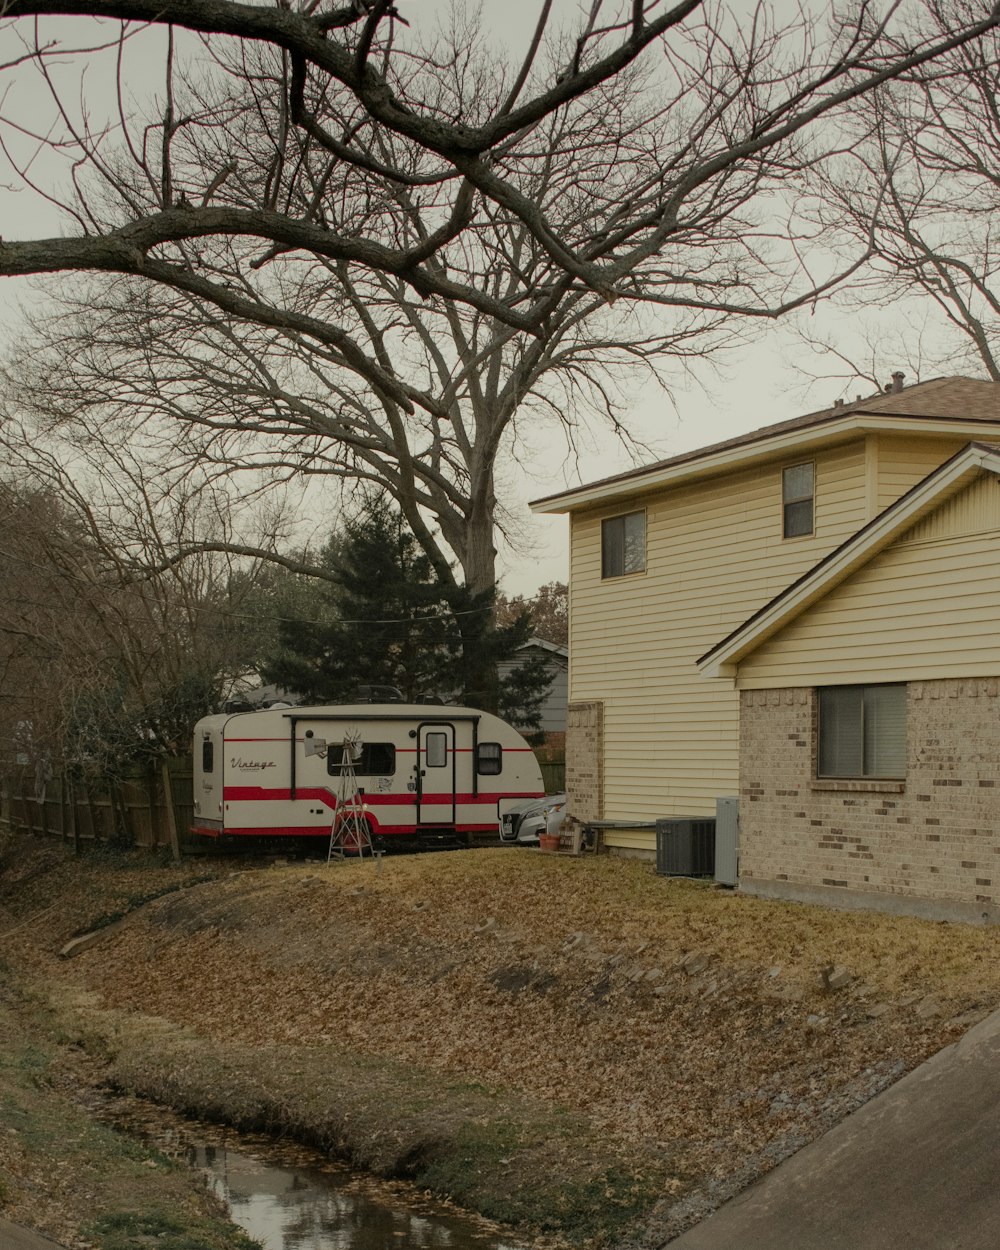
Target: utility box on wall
{"type": "Point", "coordinates": [727, 841]}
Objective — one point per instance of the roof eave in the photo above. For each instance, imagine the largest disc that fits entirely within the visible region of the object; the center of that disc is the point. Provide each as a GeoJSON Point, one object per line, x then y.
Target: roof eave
{"type": "Point", "coordinates": [641, 481]}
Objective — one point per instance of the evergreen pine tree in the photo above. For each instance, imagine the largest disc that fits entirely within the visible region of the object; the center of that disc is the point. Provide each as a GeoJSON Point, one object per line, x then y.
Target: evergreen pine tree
{"type": "Point", "coordinates": [388, 621]}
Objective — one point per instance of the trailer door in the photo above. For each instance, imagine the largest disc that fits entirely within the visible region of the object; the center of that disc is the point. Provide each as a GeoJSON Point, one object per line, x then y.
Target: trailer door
{"type": "Point", "coordinates": [435, 773]}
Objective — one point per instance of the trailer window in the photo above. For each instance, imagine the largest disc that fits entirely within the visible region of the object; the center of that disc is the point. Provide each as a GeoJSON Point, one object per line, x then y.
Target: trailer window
{"type": "Point", "coordinates": [378, 759]}
{"type": "Point", "coordinates": [436, 750]}
{"type": "Point", "coordinates": [489, 759]}
{"type": "Point", "coordinates": [207, 755]}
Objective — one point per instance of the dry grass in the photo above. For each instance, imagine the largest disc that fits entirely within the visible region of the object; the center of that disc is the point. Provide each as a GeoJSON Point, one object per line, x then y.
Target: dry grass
{"type": "Point", "coordinates": [552, 980]}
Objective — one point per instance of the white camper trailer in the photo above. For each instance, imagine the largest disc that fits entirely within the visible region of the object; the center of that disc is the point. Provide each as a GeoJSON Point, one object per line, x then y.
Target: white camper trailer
{"type": "Point", "coordinates": [417, 771]}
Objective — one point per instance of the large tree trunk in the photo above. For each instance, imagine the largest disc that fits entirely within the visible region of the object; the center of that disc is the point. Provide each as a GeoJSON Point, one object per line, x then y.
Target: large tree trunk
{"type": "Point", "coordinates": [479, 556]}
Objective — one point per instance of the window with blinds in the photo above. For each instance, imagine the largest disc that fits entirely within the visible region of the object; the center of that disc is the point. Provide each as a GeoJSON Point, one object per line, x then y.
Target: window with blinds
{"type": "Point", "coordinates": [798, 487]}
{"type": "Point", "coordinates": [862, 732]}
{"type": "Point", "coordinates": [623, 544]}
{"type": "Point", "coordinates": [377, 759]}
{"type": "Point", "coordinates": [489, 759]}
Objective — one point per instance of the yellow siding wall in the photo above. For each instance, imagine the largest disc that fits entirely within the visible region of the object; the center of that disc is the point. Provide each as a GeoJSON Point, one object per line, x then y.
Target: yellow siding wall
{"type": "Point", "coordinates": [975, 510]}
{"type": "Point", "coordinates": [903, 461]}
{"type": "Point", "coordinates": [714, 553]}
{"type": "Point", "coordinates": [926, 608]}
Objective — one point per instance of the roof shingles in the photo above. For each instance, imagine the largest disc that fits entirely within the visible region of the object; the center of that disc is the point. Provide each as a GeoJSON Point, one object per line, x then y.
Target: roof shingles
{"type": "Point", "coordinates": [942, 399]}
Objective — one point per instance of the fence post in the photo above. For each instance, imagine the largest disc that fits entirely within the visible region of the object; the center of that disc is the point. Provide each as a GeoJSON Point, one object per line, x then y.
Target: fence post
{"type": "Point", "coordinates": [168, 802]}
{"type": "Point", "coordinates": [74, 827]}
{"type": "Point", "coordinates": [26, 806]}
{"type": "Point", "coordinates": [119, 814]}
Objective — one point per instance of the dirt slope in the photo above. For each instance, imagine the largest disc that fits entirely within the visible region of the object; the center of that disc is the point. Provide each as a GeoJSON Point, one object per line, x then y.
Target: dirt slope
{"type": "Point", "coordinates": [472, 1019]}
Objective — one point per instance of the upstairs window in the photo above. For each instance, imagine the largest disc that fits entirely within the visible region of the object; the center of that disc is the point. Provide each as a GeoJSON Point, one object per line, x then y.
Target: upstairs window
{"type": "Point", "coordinates": [378, 759]}
{"type": "Point", "coordinates": [623, 544]}
{"type": "Point", "coordinates": [797, 495]}
{"type": "Point", "coordinates": [862, 732]}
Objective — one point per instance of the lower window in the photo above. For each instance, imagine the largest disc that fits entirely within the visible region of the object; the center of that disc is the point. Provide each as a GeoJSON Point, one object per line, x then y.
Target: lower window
{"type": "Point", "coordinates": [489, 759]}
{"type": "Point", "coordinates": [376, 759]}
{"type": "Point", "coordinates": [862, 732]}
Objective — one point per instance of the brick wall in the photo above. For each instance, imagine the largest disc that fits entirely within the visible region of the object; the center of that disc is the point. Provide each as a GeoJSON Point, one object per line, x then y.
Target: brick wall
{"type": "Point", "coordinates": [585, 761]}
{"type": "Point", "coordinates": [935, 835]}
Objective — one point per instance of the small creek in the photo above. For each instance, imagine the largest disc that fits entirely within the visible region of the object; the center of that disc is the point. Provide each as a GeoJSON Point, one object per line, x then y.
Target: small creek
{"type": "Point", "coordinates": [319, 1207]}
{"type": "Point", "coordinates": [292, 1198]}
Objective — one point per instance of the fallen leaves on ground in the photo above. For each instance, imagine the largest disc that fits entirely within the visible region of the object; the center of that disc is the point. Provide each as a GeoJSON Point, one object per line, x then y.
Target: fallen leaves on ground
{"type": "Point", "coordinates": [559, 978]}
{"type": "Point", "coordinates": [669, 1012]}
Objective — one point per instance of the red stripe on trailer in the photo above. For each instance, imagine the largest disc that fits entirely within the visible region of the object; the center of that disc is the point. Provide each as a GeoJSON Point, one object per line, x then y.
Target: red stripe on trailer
{"type": "Point", "coordinates": [253, 794]}
{"type": "Point", "coordinates": [400, 750]}
{"type": "Point", "coordinates": [280, 831]}
{"type": "Point", "coordinates": [246, 794]}
{"type": "Point", "coordinates": [294, 831]}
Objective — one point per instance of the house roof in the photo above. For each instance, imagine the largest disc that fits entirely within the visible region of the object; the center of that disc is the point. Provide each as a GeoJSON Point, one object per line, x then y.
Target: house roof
{"type": "Point", "coordinates": [943, 405]}
{"type": "Point", "coordinates": [927, 495]}
{"type": "Point", "coordinates": [543, 644]}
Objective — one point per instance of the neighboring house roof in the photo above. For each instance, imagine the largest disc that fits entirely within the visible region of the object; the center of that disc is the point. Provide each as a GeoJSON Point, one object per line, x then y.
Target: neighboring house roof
{"type": "Point", "coordinates": [925, 497]}
{"type": "Point", "coordinates": [943, 405]}
{"type": "Point", "coordinates": [543, 644]}
{"type": "Point", "coordinates": [264, 697]}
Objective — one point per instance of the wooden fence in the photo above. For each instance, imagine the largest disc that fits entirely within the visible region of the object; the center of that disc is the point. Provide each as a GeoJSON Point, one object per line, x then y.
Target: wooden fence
{"type": "Point", "coordinates": [148, 809]}
{"type": "Point", "coordinates": [129, 812]}
{"type": "Point", "coordinates": [554, 775]}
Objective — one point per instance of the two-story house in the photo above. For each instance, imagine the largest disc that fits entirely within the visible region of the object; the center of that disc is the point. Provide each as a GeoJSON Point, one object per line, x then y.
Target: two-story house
{"type": "Point", "coordinates": [810, 570]}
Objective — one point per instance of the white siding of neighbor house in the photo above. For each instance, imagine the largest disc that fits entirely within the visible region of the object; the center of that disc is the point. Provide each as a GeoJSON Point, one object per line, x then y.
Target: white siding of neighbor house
{"type": "Point", "coordinates": [553, 710]}
{"type": "Point", "coordinates": [925, 608]}
{"type": "Point", "coordinates": [714, 555]}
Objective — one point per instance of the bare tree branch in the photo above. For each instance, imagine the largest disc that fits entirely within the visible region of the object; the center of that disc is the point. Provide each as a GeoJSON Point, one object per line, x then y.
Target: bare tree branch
{"type": "Point", "coordinates": [334, 250]}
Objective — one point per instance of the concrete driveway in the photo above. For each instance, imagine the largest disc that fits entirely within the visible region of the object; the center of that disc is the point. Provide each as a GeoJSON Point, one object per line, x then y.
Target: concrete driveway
{"type": "Point", "coordinates": [917, 1168]}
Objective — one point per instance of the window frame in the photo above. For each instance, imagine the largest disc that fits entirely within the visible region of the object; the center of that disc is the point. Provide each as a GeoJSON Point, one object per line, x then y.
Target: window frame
{"type": "Point", "coordinates": [793, 501]}
{"type": "Point", "coordinates": [207, 755]}
{"type": "Point", "coordinates": [363, 768]}
{"type": "Point", "coordinates": [481, 747]}
{"type": "Point", "coordinates": [609, 527]}
{"type": "Point", "coordinates": [865, 747]}
{"type": "Point", "coordinates": [439, 740]}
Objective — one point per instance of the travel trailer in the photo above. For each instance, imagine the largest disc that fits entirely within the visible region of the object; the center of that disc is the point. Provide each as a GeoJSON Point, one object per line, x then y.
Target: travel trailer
{"type": "Point", "coordinates": [416, 771]}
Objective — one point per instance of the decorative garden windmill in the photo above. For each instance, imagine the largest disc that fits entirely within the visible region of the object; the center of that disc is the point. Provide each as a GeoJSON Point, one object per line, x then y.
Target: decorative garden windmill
{"type": "Point", "coordinates": [350, 831]}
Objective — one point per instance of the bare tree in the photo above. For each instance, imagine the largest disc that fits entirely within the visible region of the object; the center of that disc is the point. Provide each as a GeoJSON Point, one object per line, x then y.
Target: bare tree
{"type": "Point", "coordinates": [336, 248]}
{"type": "Point", "coordinates": [921, 187]}
{"type": "Point", "coordinates": [97, 665]}
{"type": "Point", "coordinates": [547, 608]}
{"type": "Point", "coordinates": [343, 250]}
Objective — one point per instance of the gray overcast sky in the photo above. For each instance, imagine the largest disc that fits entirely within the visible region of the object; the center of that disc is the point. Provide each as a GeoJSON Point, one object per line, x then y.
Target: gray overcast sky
{"type": "Point", "coordinates": [743, 391]}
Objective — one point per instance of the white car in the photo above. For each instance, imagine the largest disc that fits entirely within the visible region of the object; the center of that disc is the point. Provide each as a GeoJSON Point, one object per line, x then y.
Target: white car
{"type": "Point", "coordinates": [526, 820]}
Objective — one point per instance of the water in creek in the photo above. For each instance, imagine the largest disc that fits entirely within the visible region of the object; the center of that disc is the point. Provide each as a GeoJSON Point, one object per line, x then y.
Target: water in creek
{"type": "Point", "coordinates": [318, 1208]}
{"type": "Point", "coordinates": [291, 1198]}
